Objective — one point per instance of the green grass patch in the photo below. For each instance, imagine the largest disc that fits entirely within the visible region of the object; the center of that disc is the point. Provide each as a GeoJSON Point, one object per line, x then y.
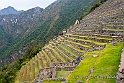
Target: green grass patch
{"type": "Point", "coordinates": [82, 70]}
{"type": "Point", "coordinates": [105, 66]}
{"type": "Point", "coordinates": [62, 73]}
{"type": "Point", "coordinates": [114, 29]}
{"type": "Point", "coordinates": [52, 81]}
{"type": "Point", "coordinates": [69, 50]}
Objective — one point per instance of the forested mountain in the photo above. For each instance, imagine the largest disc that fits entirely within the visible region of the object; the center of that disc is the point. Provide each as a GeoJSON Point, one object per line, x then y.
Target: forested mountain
{"type": "Point", "coordinates": [87, 38]}
{"type": "Point", "coordinates": [9, 10]}
{"type": "Point", "coordinates": [38, 26]}
{"type": "Point", "coordinates": [14, 27]}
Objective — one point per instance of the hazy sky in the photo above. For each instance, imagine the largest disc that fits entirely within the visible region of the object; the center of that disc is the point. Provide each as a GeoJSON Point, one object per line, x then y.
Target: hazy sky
{"type": "Point", "coordinates": [25, 4]}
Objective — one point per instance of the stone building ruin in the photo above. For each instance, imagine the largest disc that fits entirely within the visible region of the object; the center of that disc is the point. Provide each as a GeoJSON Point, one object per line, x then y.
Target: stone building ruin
{"type": "Point", "coordinates": [50, 73]}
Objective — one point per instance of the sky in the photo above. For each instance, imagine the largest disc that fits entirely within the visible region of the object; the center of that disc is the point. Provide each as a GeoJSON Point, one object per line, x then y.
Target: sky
{"type": "Point", "coordinates": [25, 4]}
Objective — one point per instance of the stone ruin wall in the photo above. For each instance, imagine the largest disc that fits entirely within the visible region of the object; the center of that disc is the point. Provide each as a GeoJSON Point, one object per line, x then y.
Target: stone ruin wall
{"type": "Point", "coordinates": [50, 73]}
{"type": "Point", "coordinates": [120, 73]}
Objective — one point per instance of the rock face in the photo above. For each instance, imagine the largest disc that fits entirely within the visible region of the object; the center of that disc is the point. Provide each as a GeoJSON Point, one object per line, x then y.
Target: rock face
{"type": "Point", "coordinates": [9, 10]}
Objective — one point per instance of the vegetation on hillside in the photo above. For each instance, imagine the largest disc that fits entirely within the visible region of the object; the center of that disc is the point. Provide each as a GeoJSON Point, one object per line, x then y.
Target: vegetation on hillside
{"type": "Point", "coordinates": [69, 11]}
{"type": "Point", "coordinates": [8, 73]}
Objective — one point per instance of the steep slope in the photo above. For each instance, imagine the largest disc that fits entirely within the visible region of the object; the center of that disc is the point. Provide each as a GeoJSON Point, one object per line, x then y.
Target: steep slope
{"type": "Point", "coordinates": [66, 12]}
{"type": "Point", "coordinates": [17, 26]}
{"type": "Point", "coordinates": [99, 39]}
{"type": "Point", "coordinates": [45, 31]}
{"type": "Point", "coordinates": [9, 10]}
{"type": "Point", "coordinates": [50, 21]}
{"type": "Point", "coordinates": [2, 38]}
{"type": "Point", "coordinates": [89, 39]}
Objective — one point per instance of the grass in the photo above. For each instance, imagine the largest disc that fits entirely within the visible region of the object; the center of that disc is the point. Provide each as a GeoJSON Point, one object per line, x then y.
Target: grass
{"type": "Point", "coordinates": [79, 44]}
{"type": "Point", "coordinates": [93, 41]}
{"type": "Point", "coordinates": [56, 52]}
{"type": "Point", "coordinates": [74, 48]}
{"type": "Point", "coordinates": [65, 55]}
{"type": "Point", "coordinates": [69, 50]}
{"type": "Point", "coordinates": [52, 82]}
{"type": "Point", "coordinates": [114, 29]}
{"type": "Point", "coordinates": [62, 73]}
{"type": "Point", "coordinates": [82, 70]}
{"type": "Point", "coordinates": [106, 64]}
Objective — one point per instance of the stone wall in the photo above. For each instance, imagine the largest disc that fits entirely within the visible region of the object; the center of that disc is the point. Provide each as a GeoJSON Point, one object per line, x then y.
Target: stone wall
{"type": "Point", "coordinates": [69, 66]}
{"type": "Point", "coordinates": [50, 73]}
{"type": "Point", "coordinates": [106, 19]}
{"type": "Point", "coordinates": [120, 73]}
{"type": "Point", "coordinates": [45, 73]}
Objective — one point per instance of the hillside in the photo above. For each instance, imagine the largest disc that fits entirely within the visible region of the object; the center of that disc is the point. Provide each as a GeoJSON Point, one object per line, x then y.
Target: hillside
{"type": "Point", "coordinates": [39, 24]}
{"type": "Point", "coordinates": [87, 52]}
{"type": "Point", "coordinates": [9, 10]}
{"type": "Point", "coordinates": [14, 27]}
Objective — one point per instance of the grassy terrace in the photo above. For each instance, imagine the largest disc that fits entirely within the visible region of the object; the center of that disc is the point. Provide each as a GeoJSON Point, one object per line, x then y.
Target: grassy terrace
{"type": "Point", "coordinates": [91, 41]}
{"type": "Point", "coordinates": [66, 56]}
{"type": "Point", "coordinates": [62, 73]}
{"type": "Point", "coordinates": [104, 65]}
{"type": "Point", "coordinates": [75, 48]}
{"type": "Point", "coordinates": [52, 82]}
{"type": "Point", "coordinates": [69, 50]}
{"type": "Point", "coordinates": [56, 52]}
{"type": "Point", "coordinates": [82, 37]}
{"type": "Point", "coordinates": [52, 57]}
{"type": "Point", "coordinates": [114, 29]}
{"type": "Point", "coordinates": [59, 53]}
{"type": "Point", "coordinates": [76, 35]}
{"type": "Point", "coordinates": [78, 43]}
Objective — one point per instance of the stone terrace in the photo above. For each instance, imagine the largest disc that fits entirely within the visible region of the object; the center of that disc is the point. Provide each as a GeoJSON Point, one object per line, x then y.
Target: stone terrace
{"type": "Point", "coordinates": [106, 19]}
{"type": "Point", "coordinates": [104, 25]}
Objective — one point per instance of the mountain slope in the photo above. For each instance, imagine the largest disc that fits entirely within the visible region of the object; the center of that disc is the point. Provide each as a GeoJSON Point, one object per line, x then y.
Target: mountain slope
{"type": "Point", "coordinates": [17, 26]}
{"type": "Point", "coordinates": [9, 10]}
{"type": "Point", "coordinates": [46, 26]}
{"type": "Point", "coordinates": [90, 39]}
{"type": "Point", "coordinates": [68, 12]}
